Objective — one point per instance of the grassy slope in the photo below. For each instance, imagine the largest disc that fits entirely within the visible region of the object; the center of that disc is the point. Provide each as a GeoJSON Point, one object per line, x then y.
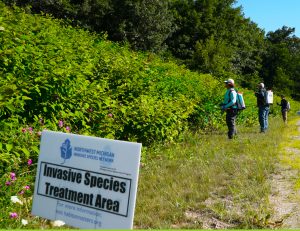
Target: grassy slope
{"type": "Point", "coordinates": [210, 177]}
{"type": "Point", "coordinates": [206, 175]}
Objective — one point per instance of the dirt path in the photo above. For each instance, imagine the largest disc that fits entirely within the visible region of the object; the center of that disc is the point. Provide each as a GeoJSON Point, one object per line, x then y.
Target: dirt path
{"type": "Point", "coordinates": [285, 198]}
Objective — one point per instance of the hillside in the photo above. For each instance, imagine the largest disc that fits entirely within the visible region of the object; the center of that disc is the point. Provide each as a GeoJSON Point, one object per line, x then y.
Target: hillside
{"type": "Point", "coordinates": [51, 72]}
{"type": "Point", "coordinates": [62, 78]}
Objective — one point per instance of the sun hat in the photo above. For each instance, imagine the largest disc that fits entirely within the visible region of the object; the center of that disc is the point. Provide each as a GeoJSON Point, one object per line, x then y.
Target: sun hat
{"type": "Point", "coordinates": [229, 81]}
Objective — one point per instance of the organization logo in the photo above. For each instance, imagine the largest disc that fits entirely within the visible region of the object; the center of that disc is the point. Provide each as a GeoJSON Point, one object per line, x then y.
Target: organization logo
{"type": "Point", "coordinates": [106, 156]}
{"type": "Point", "coordinates": [66, 150]}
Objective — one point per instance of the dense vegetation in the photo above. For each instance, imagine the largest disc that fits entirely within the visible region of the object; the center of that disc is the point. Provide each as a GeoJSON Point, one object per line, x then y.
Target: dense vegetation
{"type": "Point", "coordinates": [60, 78]}
{"type": "Point", "coordinates": [63, 75]}
{"type": "Point", "coordinates": [207, 36]}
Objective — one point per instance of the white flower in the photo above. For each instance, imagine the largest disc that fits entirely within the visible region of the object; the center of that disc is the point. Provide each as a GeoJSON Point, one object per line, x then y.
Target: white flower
{"type": "Point", "coordinates": [24, 222]}
{"type": "Point", "coordinates": [58, 223]}
{"type": "Point", "coordinates": [15, 199]}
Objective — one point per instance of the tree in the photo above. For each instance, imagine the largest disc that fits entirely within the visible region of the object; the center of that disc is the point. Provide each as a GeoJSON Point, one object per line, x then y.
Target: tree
{"type": "Point", "coordinates": [281, 63]}
{"type": "Point", "coordinates": [212, 36]}
{"type": "Point", "coordinates": [212, 56]}
{"type": "Point", "coordinates": [145, 24]}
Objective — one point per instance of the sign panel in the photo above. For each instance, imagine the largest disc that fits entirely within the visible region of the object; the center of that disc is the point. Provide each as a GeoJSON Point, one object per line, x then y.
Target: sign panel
{"type": "Point", "coordinates": [87, 182]}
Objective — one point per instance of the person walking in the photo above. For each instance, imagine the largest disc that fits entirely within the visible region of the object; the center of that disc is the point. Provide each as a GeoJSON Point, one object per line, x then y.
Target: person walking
{"type": "Point", "coordinates": [263, 107]}
{"type": "Point", "coordinates": [284, 108]}
{"type": "Point", "coordinates": [229, 106]}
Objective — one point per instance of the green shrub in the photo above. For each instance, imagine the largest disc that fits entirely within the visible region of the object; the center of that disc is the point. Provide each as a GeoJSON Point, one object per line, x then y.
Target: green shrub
{"type": "Point", "coordinates": [54, 76]}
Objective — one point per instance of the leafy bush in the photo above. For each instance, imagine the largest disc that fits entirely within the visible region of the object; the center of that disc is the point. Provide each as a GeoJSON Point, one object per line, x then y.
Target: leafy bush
{"type": "Point", "coordinates": [54, 76]}
{"type": "Point", "coordinates": [54, 72]}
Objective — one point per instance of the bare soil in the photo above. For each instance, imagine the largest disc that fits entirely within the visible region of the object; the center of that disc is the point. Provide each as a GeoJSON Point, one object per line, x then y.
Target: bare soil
{"type": "Point", "coordinates": [285, 197]}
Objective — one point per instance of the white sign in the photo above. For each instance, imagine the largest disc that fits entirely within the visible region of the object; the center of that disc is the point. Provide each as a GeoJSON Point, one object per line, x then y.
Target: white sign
{"type": "Point", "coordinates": [87, 182]}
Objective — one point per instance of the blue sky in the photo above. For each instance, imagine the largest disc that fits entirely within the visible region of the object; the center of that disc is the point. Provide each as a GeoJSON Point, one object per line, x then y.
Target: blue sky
{"type": "Point", "coordinates": [271, 15]}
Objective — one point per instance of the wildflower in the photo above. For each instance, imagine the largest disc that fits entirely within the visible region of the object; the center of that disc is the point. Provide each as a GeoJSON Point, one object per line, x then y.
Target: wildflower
{"type": "Point", "coordinates": [23, 130]}
{"type": "Point", "coordinates": [39, 133]}
{"type": "Point", "coordinates": [7, 183]}
{"type": "Point", "coordinates": [13, 215]}
{"type": "Point", "coordinates": [58, 223]}
{"type": "Point", "coordinates": [30, 129]}
{"type": "Point", "coordinates": [13, 176]}
{"type": "Point", "coordinates": [110, 115]}
{"type": "Point", "coordinates": [68, 128]}
{"type": "Point", "coordinates": [21, 192]}
{"type": "Point", "coordinates": [26, 187]}
{"type": "Point", "coordinates": [24, 222]}
{"type": "Point", "coordinates": [29, 162]}
{"type": "Point", "coordinates": [15, 199]}
{"type": "Point", "coordinates": [60, 123]}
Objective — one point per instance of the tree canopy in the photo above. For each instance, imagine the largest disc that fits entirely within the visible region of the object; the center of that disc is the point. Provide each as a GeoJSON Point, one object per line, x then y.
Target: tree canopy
{"type": "Point", "coordinates": [209, 36]}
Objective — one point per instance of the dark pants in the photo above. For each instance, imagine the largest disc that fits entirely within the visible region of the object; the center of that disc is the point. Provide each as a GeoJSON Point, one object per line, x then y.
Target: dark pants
{"type": "Point", "coordinates": [284, 115]}
{"type": "Point", "coordinates": [231, 115]}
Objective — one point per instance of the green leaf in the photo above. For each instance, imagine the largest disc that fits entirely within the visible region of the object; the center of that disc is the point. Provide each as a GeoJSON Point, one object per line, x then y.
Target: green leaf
{"type": "Point", "coordinates": [25, 97]}
{"type": "Point", "coordinates": [9, 147]}
{"type": "Point", "coordinates": [26, 152]}
{"type": "Point", "coordinates": [35, 149]}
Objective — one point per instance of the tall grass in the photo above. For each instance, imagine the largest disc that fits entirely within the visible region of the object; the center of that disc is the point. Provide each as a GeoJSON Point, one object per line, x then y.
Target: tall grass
{"type": "Point", "coordinates": [211, 177]}
{"type": "Point", "coordinates": [183, 185]}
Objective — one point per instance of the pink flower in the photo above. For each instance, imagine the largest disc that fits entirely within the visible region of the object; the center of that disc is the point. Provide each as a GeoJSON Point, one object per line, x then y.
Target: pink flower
{"type": "Point", "coordinates": [110, 115]}
{"type": "Point", "coordinates": [60, 123]}
{"type": "Point", "coordinates": [23, 130]}
{"type": "Point", "coordinates": [13, 215]}
{"type": "Point", "coordinates": [68, 128]}
{"type": "Point", "coordinates": [29, 162]}
{"type": "Point", "coordinates": [30, 129]}
{"type": "Point", "coordinates": [21, 192]}
{"type": "Point", "coordinates": [7, 183]}
{"type": "Point", "coordinates": [26, 187]}
{"type": "Point", "coordinates": [13, 176]}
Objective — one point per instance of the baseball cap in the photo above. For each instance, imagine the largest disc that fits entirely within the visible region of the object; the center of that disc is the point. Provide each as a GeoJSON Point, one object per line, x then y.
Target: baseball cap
{"type": "Point", "coordinates": [229, 81]}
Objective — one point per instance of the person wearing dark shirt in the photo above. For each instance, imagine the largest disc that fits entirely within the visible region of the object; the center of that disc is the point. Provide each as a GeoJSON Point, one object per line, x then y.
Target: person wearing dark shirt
{"type": "Point", "coordinates": [284, 108]}
{"type": "Point", "coordinates": [263, 107]}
